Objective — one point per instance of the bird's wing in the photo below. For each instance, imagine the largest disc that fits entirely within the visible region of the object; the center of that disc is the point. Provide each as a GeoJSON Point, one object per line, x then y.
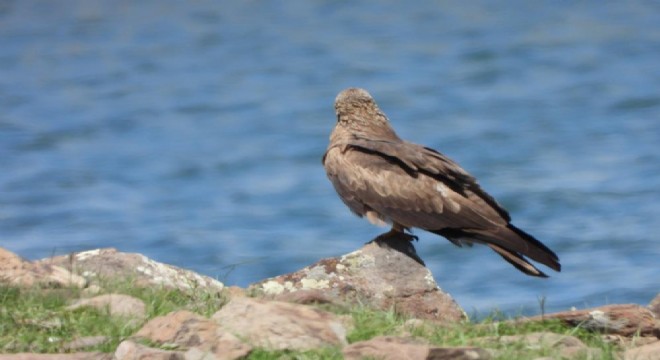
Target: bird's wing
{"type": "Point", "coordinates": [418, 159]}
{"type": "Point", "coordinates": [347, 187]}
{"type": "Point", "coordinates": [389, 178]}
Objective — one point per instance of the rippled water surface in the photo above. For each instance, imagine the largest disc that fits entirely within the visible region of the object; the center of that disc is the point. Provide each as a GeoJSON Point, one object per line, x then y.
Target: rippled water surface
{"type": "Point", "coordinates": [192, 132]}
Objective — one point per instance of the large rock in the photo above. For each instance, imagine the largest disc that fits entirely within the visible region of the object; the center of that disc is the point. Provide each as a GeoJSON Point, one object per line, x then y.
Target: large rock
{"type": "Point", "coordinates": [382, 275]}
{"type": "Point", "coordinates": [654, 306]}
{"type": "Point", "coordinates": [172, 328]}
{"type": "Point", "coordinates": [628, 342]}
{"type": "Point", "coordinates": [395, 348]}
{"type": "Point", "coordinates": [109, 263]}
{"type": "Point", "coordinates": [116, 304]}
{"type": "Point", "coordinates": [279, 325]}
{"type": "Point", "coordinates": [19, 272]}
{"type": "Point", "coordinates": [646, 352]}
{"type": "Point", "coordinates": [565, 346]}
{"type": "Point", "coordinates": [129, 350]}
{"type": "Point", "coordinates": [536, 339]}
{"type": "Point", "coordinates": [85, 342]}
{"type": "Point", "coordinates": [624, 319]}
{"type": "Point", "coordinates": [200, 337]}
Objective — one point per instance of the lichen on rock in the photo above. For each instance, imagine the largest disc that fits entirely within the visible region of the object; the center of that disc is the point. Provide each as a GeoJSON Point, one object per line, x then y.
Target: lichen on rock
{"type": "Point", "coordinates": [376, 275]}
{"type": "Point", "coordinates": [112, 264]}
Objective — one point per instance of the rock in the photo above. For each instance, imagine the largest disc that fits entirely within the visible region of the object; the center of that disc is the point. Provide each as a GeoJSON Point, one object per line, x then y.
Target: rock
{"type": "Point", "coordinates": [70, 356]}
{"type": "Point", "coordinates": [574, 352]}
{"type": "Point", "coordinates": [85, 342]}
{"type": "Point", "coordinates": [224, 346]}
{"type": "Point", "coordinates": [566, 346]}
{"type": "Point", "coordinates": [201, 337]}
{"type": "Point", "coordinates": [278, 325]}
{"type": "Point", "coordinates": [458, 353]}
{"type": "Point", "coordinates": [129, 350]}
{"type": "Point", "coordinates": [306, 297]}
{"type": "Point", "coordinates": [647, 352]}
{"type": "Point", "coordinates": [387, 347]}
{"type": "Point", "coordinates": [91, 290]}
{"type": "Point", "coordinates": [628, 342]}
{"type": "Point", "coordinates": [654, 306]}
{"type": "Point", "coordinates": [377, 275]}
{"type": "Point", "coordinates": [19, 272]}
{"type": "Point", "coordinates": [116, 304]}
{"type": "Point", "coordinates": [535, 340]}
{"type": "Point", "coordinates": [394, 348]}
{"type": "Point", "coordinates": [625, 319]}
{"type": "Point", "coordinates": [234, 291]}
{"type": "Point", "coordinates": [110, 263]}
{"type": "Point", "coordinates": [414, 323]}
{"type": "Point", "coordinates": [199, 354]}
{"type": "Point", "coordinates": [167, 328]}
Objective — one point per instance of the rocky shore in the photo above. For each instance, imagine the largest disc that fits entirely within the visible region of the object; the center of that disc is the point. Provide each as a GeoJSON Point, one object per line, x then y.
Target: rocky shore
{"type": "Point", "coordinates": [292, 312]}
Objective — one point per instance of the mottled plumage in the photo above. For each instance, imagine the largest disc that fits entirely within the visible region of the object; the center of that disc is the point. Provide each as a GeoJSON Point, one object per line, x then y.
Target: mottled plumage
{"type": "Point", "coordinates": [389, 180]}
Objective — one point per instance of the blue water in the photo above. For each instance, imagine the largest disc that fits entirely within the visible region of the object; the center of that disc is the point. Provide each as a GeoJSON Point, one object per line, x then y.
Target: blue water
{"type": "Point", "coordinates": [192, 132]}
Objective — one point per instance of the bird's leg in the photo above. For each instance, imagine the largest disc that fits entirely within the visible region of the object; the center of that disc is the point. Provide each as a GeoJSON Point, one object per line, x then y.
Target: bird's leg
{"type": "Point", "coordinates": [398, 232]}
{"type": "Point", "coordinates": [403, 232]}
{"type": "Point", "coordinates": [395, 232]}
{"type": "Point", "coordinates": [399, 240]}
{"type": "Point", "coordinates": [412, 237]}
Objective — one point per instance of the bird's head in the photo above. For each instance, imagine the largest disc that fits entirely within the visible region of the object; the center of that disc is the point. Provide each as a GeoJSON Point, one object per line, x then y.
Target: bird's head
{"type": "Point", "coordinates": [358, 113]}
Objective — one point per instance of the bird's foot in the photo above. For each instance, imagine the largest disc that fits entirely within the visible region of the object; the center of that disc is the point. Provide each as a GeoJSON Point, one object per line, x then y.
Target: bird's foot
{"type": "Point", "coordinates": [399, 241]}
{"type": "Point", "coordinates": [395, 235]}
{"type": "Point", "coordinates": [403, 236]}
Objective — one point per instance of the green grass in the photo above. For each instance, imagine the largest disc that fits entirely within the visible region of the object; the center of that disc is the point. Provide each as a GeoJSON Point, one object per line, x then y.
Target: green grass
{"type": "Point", "coordinates": [36, 320]}
{"type": "Point", "coordinates": [161, 300]}
{"type": "Point", "coordinates": [471, 334]}
{"type": "Point", "coordinates": [369, 324]}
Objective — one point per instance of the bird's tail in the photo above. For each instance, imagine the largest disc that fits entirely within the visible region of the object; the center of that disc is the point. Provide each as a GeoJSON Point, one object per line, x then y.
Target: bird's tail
{"type": "Point", "coordinates": [518, 261]}
{"type": "Point", "coordinates": [512, 244]}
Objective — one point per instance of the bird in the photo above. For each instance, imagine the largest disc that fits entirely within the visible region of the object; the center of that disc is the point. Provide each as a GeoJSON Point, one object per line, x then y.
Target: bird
{"type": "Point", "coordinates": [389, 180]}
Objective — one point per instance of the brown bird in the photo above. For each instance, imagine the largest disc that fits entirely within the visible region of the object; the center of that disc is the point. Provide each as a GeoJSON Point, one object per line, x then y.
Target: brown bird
{"type": "Point", "coordinates": [389, 180]}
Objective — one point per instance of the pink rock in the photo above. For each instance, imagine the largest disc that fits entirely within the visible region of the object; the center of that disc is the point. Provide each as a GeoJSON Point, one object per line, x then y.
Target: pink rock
{"type": "Point", "coordinates": [395, 348]}
{"type": "Point", "coordinates": [655, 306]}
{"type": "Point", "coordinates": [116, 304]}
{"type": "Point", "coordinates": [647, 352]}
{"type": "Point", "coordinates": [625, 319]}
{"type": "Point", "coordinates": [129, 350]}
{"type": "Point", "coordinates": [84, 342]}
{"type": "Point", "coordinates": [198, 336]}
{"type": "Point", "coordinates": [19, 272]}
{"type": "Point", "coordinates": [278, 325]}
